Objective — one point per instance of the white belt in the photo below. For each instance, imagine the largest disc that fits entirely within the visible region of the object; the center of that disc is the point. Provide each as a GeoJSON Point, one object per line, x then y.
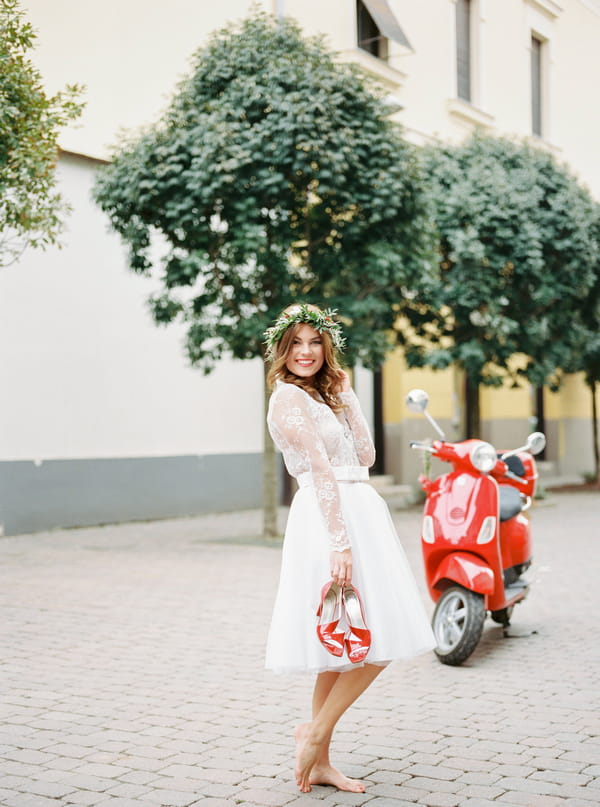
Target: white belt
{"type": "Point", "coordinates": [343, 473]}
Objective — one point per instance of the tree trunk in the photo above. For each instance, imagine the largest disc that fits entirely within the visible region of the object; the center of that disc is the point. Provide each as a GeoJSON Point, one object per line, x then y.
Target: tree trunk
{"type": "Point", "coordinates": [269, 474]}
{"type": "Point", "coordinates": [473, 413]}
{"type": "Point", "coordinates": [540, 416]}
{"type": "Point", "coordinates": [593, 387]}
{"type": "Point", "coordinates": [379, 433]}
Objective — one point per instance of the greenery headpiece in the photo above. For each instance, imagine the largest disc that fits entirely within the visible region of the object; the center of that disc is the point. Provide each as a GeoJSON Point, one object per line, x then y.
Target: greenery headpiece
{"type": "Point", "coordinates": [319, 320]}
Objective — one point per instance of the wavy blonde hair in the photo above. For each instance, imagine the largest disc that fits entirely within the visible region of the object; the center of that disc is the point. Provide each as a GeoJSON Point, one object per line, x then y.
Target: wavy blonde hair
{"type": "Point", "coordinates": [325, 384]}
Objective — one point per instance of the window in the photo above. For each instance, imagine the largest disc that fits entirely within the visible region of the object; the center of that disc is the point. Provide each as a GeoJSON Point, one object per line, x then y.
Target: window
{"type": "Point", "coordinates": [369, 36]}
{"type": "Point", "coordinates": [536, 85]}
{"type": "Point", "coordinates": [376, 26]}
{"type": "Point", "coordinates": [463, 49]}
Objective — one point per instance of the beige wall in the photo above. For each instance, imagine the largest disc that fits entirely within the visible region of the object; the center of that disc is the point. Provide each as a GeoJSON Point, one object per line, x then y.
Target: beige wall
{"type": "Point", "coordinates": [131, 55]}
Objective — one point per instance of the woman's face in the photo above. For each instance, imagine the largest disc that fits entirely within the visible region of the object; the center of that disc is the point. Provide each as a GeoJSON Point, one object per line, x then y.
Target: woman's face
{"type": "Point", "coordinates": [306, 355]}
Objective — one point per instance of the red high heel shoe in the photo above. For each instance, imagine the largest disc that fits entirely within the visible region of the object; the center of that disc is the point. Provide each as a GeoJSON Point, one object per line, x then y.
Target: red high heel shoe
{"type": "Point", "coordinates": [329, 613]}
{"type": "Point", "coordinates": [358, 637]}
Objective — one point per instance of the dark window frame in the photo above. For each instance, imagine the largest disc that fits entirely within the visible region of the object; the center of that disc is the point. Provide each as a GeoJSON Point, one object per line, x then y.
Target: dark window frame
{"type": "Point", "coordinates": [464, 50]}
{"type": "Point", "coordinates": [537, 85]}
{"type": "Point", "coordinates": [368, 34]}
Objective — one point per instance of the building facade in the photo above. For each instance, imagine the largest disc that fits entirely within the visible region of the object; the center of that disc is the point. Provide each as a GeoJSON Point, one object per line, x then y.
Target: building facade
{"type": "Point", "coordinates": [102, 419]}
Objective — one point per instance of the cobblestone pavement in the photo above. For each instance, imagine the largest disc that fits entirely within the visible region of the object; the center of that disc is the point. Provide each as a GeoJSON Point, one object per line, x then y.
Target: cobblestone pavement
{"type": "Point", "coordinates": [131, 674]}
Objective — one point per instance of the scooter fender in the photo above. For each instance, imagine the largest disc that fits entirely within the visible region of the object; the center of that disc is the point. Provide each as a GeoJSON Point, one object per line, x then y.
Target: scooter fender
{"type": "Point", "coordinates": [467, 570]}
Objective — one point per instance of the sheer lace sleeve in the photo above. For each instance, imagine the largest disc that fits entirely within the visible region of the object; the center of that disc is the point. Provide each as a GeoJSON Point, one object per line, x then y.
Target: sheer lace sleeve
{"type": "Point", "coordinates": [295, 432]}
{"type": "Point", "coordinates": [363, 441]}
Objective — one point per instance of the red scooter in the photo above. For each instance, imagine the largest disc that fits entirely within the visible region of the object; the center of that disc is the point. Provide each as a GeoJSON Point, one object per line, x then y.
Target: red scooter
{"type": "Point", "coordinates": [475, 539]}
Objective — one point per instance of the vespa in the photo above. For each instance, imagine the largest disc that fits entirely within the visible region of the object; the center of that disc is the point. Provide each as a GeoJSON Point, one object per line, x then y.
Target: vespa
{"type": "Point", "coordinates": [475, 540]}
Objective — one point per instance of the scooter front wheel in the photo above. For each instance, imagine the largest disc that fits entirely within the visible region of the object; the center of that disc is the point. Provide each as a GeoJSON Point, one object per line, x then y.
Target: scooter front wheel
{"type": "Point", "coordinates": [457, 624]}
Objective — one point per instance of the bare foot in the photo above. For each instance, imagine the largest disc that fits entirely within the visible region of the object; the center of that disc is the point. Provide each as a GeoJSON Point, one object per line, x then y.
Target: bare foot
{"type": "Point", "coordinates": [307, 751]}
{"type": "Point", "coordinates": [328, 775]}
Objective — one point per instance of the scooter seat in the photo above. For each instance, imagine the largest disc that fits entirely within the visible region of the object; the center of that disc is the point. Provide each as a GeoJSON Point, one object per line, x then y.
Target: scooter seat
{"type": "Point", "coordinates": [511, 502]}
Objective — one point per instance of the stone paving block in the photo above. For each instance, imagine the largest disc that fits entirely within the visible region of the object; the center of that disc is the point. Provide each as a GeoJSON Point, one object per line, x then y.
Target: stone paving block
{"type": "Point", "coordinates": [28, 800]}
{"type": "Point", "coordinates": [520, 799]}
{"type": "Point", "coordinates": [562, 778]}
{"type": "Point", "coordinates": [87, 782]}
{"type": "Point", "coordinates": [432, 771]}
{"type": "Point", "coordinates": [169, 798]}
{"type": "Point", "coordinates": [434, 785]}
{"type": "Point", "coordinates": [139, 777]}
{"type": "Point", "coordinates": [67, 750]}
{"type": "Point", "coordinates": [128, 791]}
{"type": "Point", "coordinates": [534, 786]}
{"type": "Point", "coordinates": [405, 791]}
{"type": "Point", "coordinates": [478, 802]}
{"type": "Point", "coordinates": [218, 791]}
{"type": "Point", "coordinates": [461, 764]}
{"type": "Point", "coordinates": [101, 771]}
{"type": "Point", "coordinates": [212, 802]}
{"type": "Point", "coordinates": [489, 792]}
{"type": "Point", "coordinates": [478, 778]}
{"type": "Point", "coordinates": [574, 792]}
{"type": "Point", "coordinates": [10, 782]}
{"type": "Point", "coordinates": [83, 798]}
{"type": "Point", "coordinates": [440, 800]}
{"type": "Point", "coordinates": [521, 771]}
{"type": "Point", "coordinates": [267, 798]}
{"type": "Point", "coordinates": [583, 755]}
{"type": "Point", "coordinates": [386, 777]}
{"type": "Point", "coordinates": [12, 768]}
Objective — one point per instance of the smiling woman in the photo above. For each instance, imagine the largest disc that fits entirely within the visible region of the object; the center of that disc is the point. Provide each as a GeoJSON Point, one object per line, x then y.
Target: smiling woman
{"type": "Point", "coordinates": [339, 540]}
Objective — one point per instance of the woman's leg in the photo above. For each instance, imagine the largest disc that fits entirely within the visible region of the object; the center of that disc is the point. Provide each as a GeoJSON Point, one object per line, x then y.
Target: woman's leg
{"type": "Point", "coordinates": [334, 696]}
{"type": "Point", "coordinates": [323, 772]}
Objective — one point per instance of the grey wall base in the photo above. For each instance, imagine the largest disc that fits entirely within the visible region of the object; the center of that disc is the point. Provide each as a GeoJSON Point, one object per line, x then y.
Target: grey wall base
{"type": "Point", "coordinates": [77, 493]}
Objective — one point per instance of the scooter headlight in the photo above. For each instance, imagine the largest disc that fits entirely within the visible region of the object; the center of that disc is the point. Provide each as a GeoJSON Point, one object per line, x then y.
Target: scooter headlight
{"type": "Point", "coordinates": [487, 531]}
{"type": "Point", "coordinates": [428, 533]}
{"type": "Point", "coordinates": [484, 457]}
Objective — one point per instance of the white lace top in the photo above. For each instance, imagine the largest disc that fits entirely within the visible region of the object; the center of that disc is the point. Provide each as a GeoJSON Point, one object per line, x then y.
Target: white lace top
{"type": "Point", "coordinates": [313, 438]}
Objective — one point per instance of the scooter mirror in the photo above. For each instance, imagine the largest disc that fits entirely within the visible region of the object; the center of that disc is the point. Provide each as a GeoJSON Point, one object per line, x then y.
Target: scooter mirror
{"type": "Point", "coordinates": [536, 442]}
{"type": "Point", "coordinates": [417, 400]}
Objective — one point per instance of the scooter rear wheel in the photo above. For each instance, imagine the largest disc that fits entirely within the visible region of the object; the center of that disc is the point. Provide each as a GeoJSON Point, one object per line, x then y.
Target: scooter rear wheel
{"type": "Point", "coordinates": [457, 624]}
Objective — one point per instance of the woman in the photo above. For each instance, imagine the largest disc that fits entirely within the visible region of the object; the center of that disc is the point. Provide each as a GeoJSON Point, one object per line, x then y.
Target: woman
{"type": "Point", "coordinates": [340, 544]}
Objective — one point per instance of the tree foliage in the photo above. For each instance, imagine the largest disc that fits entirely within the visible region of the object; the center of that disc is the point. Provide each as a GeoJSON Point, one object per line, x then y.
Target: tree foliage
{"type": "Point", "coordinates": [30, 120]}
{"type": "Point", "coordinates": [274, 175]}
{"type": "Point", "coordinates": [518, 254]}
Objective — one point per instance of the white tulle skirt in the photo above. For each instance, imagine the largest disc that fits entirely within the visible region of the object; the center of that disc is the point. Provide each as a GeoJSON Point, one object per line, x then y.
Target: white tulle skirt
{"type": "Point", "coordinates": [394, 611]}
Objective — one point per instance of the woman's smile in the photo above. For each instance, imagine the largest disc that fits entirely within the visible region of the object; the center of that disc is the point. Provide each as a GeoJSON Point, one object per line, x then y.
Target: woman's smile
{"type": "Point", "coordinates": [306, 357]}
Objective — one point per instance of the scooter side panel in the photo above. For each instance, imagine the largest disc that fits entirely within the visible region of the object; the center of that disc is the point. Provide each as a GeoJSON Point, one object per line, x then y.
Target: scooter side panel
{"type": "Point", "coordinates": [515, 541]}
{"type": "Point", "coordinates": [467, 570]}
{"type": "Point", "coordinates": [458, 503]}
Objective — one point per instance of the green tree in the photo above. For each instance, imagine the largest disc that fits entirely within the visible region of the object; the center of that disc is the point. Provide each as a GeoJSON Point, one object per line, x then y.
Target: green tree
{"type": "Point", "coordinates": [273, 176]}
{"type": "Point", "coordinates": [30, 207]}
{"type": "Point", "coordinates": [516, 259]}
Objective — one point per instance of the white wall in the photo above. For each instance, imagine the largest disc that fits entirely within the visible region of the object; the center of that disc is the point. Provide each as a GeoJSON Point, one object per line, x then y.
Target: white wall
{"type": "Point", "coordinates": [86, 373]}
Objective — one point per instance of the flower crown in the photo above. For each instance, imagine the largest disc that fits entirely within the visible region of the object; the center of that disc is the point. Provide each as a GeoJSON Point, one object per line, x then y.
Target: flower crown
{"type": "Point", "coordinates": [319, 320]}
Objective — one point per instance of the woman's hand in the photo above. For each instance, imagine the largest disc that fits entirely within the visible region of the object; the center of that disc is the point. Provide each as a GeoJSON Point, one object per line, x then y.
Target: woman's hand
{"type": "Point", "coordinates": [341, 567]}
{"type": "Point", "coordinates": [344, 378]}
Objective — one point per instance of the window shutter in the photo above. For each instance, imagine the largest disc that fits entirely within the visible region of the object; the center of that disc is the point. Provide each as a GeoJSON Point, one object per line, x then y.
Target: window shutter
{"type": "Point", "coordinates": [463, 49]}
{"type": "Point", "coordinates": [536, 86]}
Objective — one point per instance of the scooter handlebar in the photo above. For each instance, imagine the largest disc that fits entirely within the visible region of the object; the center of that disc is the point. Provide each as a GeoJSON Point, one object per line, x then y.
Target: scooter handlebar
{"type": "Point", "coordinates": [516, 477]}
{"type": "Point", "coordinates": [421, 446]}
